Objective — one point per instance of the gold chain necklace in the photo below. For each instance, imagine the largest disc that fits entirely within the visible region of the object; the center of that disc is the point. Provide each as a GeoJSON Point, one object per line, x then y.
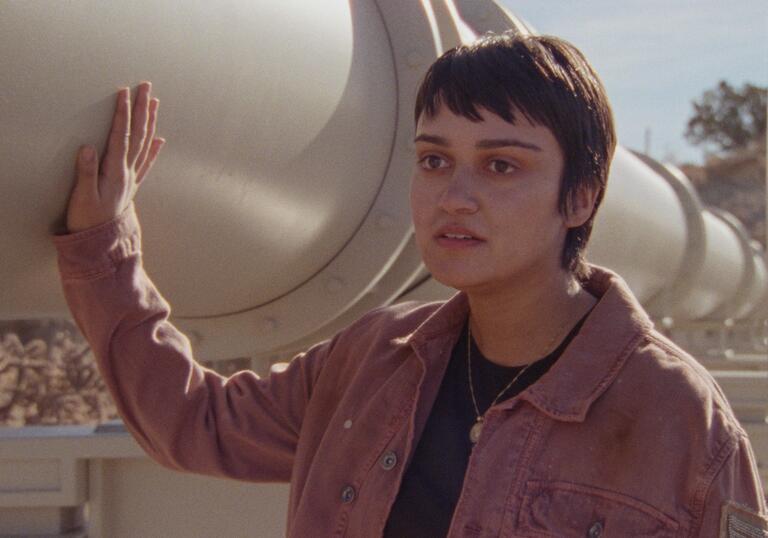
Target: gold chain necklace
{"type": "Point", "coordinates": [477, 427]}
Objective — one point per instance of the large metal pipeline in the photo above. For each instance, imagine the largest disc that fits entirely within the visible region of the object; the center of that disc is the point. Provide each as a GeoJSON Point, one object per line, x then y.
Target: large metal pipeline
{"type": "Point", "coordinates": [278, 212]}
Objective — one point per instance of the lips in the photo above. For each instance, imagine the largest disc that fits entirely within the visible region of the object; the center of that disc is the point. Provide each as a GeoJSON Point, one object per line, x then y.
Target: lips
{"type": "Point", "coordinates": [458, 233]}
{"type": "Point", "coordinates": [453, 237]}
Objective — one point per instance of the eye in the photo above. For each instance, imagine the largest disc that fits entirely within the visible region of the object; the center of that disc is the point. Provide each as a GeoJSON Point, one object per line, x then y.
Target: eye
{"type": "Point", "coordinates": [499, 166]}
{"type": "Point", "coordinates": [432, 162]}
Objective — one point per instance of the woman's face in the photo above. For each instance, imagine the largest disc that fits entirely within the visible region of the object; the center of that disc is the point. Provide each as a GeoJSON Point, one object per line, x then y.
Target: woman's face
{"type": "Point", "coordinates": [484, 200]}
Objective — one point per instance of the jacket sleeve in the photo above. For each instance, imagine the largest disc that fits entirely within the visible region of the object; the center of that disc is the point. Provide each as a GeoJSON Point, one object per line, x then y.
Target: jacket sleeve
{"type": "Point", "coordinates": [735, 504]}
{"type": "Point", "coordinates": [183, 415]}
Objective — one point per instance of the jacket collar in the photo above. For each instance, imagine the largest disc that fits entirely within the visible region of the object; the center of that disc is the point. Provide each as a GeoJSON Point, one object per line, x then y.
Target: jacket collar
{"type": "Point", "coordinates": [586, 368]}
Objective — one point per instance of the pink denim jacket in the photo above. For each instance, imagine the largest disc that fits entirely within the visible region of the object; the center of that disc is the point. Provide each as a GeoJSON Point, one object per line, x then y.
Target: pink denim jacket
{"type": "Point", "coordinates": [626, 435]}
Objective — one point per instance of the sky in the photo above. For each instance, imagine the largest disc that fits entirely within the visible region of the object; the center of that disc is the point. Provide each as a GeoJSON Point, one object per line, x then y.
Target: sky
{"type": "Point", "coordinates": [656, 56]}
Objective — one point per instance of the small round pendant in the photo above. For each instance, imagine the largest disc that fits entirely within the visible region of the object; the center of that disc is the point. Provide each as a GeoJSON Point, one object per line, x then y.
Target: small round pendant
{"type": "Point", "coordinates": [474, 433]}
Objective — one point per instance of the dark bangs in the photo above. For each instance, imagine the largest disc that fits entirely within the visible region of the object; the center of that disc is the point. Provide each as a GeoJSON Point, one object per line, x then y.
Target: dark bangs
{"type": "Point", "coordinates": [483, 75]}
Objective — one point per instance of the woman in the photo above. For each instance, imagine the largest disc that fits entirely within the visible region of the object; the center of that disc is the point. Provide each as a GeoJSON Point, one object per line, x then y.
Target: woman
{"type": "Point", "coordinates": [538, 401]}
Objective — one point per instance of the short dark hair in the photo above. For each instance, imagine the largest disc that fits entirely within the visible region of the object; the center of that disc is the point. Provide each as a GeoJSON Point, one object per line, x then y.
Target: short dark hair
{"type": "Point", "coordinates": [551, 83]}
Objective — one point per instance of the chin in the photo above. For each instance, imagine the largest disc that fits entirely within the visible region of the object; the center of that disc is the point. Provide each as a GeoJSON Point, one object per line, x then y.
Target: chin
{"type": "Point", "coordinates": [462, 275]}
{"type": "Point", "coordinates": [462, 281]}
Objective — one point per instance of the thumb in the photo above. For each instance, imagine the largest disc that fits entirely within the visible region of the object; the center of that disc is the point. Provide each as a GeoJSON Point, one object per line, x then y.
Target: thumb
{"type": "Point", "coordinates": [87, 170]}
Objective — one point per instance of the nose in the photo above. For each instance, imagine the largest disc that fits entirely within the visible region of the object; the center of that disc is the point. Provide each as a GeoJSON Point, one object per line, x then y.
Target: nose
{"type": "Point", "coordinates": [458, 197]}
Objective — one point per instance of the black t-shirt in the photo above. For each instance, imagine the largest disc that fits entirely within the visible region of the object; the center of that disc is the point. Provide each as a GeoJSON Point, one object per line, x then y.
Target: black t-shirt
{"type": "Point", "coordinates": [432, 483]}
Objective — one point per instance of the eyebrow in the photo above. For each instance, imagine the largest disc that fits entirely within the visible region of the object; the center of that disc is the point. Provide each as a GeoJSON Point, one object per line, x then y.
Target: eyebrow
{"type": "Point", "coordinates": [488, 143]}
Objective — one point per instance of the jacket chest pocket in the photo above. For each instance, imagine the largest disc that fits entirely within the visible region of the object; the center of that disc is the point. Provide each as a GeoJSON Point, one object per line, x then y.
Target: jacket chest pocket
{"type": "Point", "coordinates": [567, 510]}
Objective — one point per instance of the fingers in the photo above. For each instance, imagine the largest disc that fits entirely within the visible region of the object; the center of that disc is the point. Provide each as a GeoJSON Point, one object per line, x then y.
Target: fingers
{"type": "Point", "coordinates": [132, 147]}
{"type": "Point", "coordinates": [139, 123]}
{"type": "Point", "coordinates": [150, 136]}
{"type": "Point", "coordinates": [119, 136]}
{"type": "Point", "coordinates": [155, 147]}
{"type": "Point", "coordinates": [87, 171]}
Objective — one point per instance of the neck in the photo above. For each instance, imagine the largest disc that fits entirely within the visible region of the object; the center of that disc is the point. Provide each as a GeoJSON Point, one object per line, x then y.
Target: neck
{"type": "Point", "coordinates": [520, 324]}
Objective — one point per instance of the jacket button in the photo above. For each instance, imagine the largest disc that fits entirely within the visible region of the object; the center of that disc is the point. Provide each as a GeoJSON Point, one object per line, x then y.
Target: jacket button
{"type": "Point", "coordinates": [388, 460]}
{"type": "Point", "coordinates": [347, 494]}
{"type": "Point", "coordinates": [596, 530]}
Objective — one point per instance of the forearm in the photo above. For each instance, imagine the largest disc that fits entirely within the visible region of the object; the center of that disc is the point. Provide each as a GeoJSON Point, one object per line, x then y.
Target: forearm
{"type": "Point", "coordinates": [183, 415]}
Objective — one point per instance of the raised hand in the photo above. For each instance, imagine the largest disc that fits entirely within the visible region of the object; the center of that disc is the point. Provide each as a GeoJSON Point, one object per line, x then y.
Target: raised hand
{"type": "Point", "coordinates": [103, 190]}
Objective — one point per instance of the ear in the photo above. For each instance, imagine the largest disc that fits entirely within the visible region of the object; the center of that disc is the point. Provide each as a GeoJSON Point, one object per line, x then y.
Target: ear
{"type": "Point", "coordinates": [580, 207]}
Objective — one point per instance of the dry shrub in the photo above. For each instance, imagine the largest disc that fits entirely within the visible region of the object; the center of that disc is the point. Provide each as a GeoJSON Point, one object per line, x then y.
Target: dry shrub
{"type": "Point", "coordinates": [48, 376]}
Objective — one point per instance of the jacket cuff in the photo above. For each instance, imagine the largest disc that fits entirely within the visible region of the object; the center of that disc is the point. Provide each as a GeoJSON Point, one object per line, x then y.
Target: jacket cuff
{"type": "Point", "coordinates": [99, 250]}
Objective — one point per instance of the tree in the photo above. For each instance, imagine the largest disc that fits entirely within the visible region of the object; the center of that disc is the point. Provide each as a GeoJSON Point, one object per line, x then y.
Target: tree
{"type": "Point", "coordinates": [728, 118]}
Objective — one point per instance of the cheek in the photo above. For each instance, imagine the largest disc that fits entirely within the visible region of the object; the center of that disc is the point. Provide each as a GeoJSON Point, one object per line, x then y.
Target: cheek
{"type": "Point", "coordinates": [529, 217]}
{"type": "Point", "coordinates": [420, 204]}
{"type": "Point", "coordinates": [422, 215]}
